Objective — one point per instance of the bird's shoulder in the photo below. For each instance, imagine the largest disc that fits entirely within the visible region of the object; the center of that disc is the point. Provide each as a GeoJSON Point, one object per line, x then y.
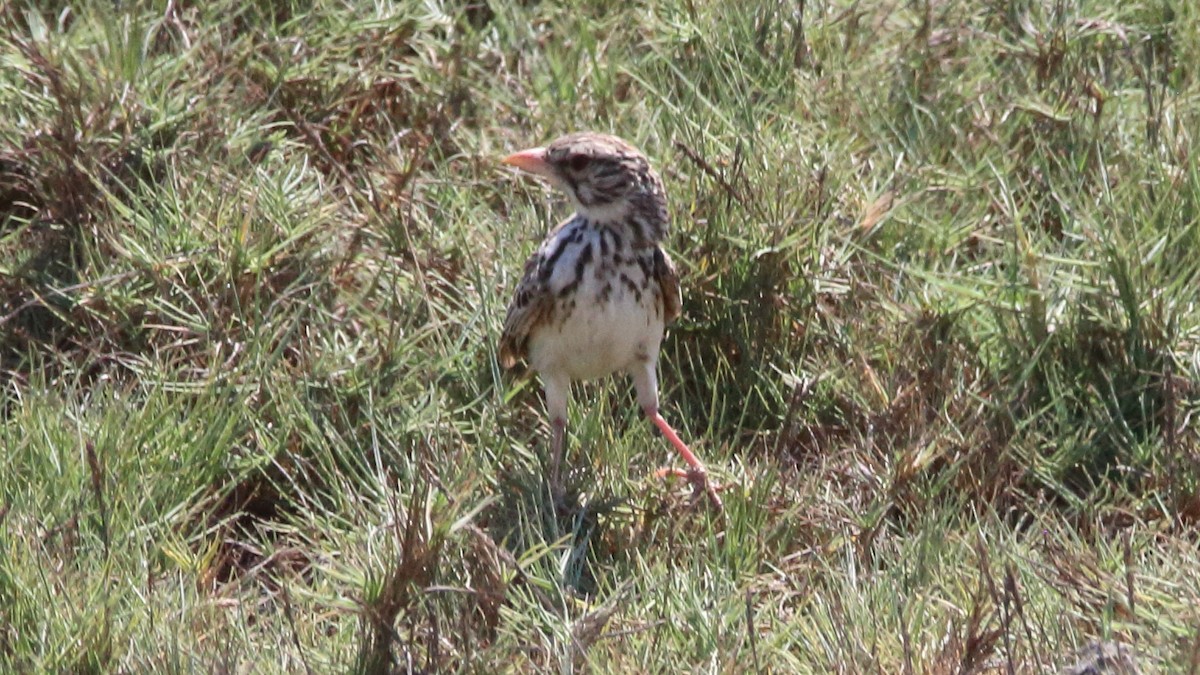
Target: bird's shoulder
{"type": "Point", "coordinates": [667, 277]}
{"type": "Point", "coordinates": [533, 301]}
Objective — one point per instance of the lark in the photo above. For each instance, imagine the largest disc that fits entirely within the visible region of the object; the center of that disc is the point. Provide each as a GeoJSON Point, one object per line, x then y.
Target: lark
{"type": "Point", "coordinates": [597, 295]}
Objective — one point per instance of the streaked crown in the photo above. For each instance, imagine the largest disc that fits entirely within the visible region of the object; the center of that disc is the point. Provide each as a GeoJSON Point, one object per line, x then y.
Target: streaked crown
{"type": "Point", "coordinates": [609, 180]}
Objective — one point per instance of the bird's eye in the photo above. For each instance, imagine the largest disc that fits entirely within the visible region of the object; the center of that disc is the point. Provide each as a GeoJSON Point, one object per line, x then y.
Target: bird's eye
{"type": "Point", "coordinates": [578, 162]}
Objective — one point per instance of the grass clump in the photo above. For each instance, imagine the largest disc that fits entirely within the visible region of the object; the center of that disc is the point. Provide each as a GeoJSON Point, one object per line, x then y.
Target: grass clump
{"type": "Point", "coordinates": [939, 339]}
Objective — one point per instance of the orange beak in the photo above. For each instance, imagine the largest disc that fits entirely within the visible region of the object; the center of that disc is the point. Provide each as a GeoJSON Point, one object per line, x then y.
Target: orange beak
{"type": "Point", "coordinates": [533, 161]}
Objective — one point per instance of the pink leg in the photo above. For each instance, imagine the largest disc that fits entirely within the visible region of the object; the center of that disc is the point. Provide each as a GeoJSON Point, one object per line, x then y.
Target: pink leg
{"type": "Point", "coordinates": [556, 451]}
{"type": "Point", "coordinates": [698, 475]}
{"type": "Point", "coordinates": [557, 387]}
{"type": "Point", "coordinates": [688, 455]}
{"type": "Point", "coordinates": [645, 381]}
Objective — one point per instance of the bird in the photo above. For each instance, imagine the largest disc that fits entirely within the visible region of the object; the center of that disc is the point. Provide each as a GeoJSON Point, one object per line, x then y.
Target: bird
{"type": "Point", "coordinates": [597, 295]}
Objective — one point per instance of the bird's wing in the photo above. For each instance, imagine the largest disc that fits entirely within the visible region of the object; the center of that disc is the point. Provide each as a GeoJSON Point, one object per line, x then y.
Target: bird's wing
{"type": "Point", "coordinates": [668, 283]}
{"type": "Point", "coordinates": [531, 305]}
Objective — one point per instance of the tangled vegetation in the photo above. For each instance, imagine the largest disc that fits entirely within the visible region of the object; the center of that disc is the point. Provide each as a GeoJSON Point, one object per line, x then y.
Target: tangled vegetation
{"type": "Point", "coordinates": [941, 338]}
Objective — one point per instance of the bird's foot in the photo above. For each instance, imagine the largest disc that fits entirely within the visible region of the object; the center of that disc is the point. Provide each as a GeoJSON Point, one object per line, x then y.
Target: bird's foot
{"type": "Point", "coordinates": [700, 484]}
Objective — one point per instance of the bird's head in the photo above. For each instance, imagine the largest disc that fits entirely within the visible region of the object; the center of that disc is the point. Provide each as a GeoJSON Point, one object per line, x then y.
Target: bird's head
{"type": "Point", "coordinates": [608, 180]}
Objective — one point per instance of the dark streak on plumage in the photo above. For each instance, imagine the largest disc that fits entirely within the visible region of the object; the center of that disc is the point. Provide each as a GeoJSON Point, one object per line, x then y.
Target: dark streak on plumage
{"type": "Point", "coordinates": [585, 259]}
{"type": "Point", "coordinates": [633, 287]}
{"type": "Point", "coordinates": [572, 183]}
{"type": "Point", "coordinates": [647, 265]}
{"type": "Point", "coordinates": [546, 268]}
{"type": "Point", "coordinates": [581, 264]}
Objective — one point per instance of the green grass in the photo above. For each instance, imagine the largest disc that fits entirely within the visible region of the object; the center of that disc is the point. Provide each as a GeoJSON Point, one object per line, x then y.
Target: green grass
{"type": "Point", "coordinates": [941, 338]}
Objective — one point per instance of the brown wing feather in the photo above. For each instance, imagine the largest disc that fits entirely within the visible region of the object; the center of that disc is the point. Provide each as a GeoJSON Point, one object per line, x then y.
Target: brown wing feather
{"type": "Point", "coordinates": [530, 306]}
{"type": "Point", "coordinates": [668, 282]}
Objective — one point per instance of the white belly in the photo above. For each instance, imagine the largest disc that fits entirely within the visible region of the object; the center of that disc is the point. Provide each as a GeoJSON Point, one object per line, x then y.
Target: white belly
{"type": "Point", "coordinates": [600, 337]}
